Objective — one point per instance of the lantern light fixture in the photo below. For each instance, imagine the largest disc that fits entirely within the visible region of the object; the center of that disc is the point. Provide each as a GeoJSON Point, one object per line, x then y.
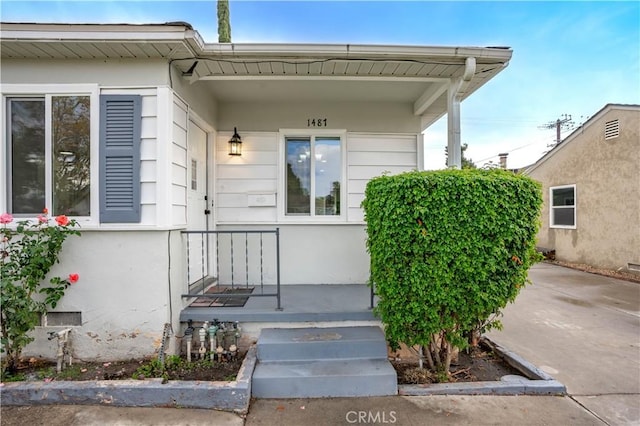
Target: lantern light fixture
{"type": "Point", "coordinates": [235, 143]}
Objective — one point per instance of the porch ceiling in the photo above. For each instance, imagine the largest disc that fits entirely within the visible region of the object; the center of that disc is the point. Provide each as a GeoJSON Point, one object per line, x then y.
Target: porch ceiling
{"type": "Point", "coordinates": [317, 90]}
{"type": "Point", "coordinates": [419, 75]}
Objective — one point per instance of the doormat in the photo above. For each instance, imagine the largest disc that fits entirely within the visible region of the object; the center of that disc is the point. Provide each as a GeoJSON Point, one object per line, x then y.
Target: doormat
{"type": "Point", "coordinates": [224, 302]}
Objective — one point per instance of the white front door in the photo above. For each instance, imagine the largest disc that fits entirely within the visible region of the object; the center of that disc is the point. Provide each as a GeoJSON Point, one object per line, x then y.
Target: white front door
{"type": "Point", "coordinates": [198, 204]}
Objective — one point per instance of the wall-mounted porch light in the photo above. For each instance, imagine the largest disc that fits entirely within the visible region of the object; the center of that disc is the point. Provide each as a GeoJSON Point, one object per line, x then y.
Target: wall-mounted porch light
{"type": "Point", "coordinates": [235, 143]}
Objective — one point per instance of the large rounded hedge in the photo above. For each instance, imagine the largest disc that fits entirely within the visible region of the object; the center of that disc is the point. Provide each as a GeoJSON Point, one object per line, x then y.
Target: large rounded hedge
{"type": "Point", "coordinates": [448, 250]}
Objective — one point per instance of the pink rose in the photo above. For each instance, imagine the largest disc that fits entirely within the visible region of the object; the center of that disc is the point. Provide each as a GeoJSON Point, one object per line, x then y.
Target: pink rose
{"type": "Point", "coordinates": [73, 278]}
{"type": "Point", "coordinates": [5, 218]}
{"type": "Point", "coordinates": [62, 220]}
{"type": "Point", "coordinates": [42, 218]}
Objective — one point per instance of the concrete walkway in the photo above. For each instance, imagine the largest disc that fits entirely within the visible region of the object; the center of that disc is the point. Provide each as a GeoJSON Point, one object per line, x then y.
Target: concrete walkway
{"type": "Point", "coordinates": [583, 329]}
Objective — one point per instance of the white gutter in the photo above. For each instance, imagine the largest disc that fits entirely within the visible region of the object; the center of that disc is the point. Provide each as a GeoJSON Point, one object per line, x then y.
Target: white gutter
{"type": "Point", "coordinates": [456, 92]}
{"type": "Point", "coordinates": [357, 50]}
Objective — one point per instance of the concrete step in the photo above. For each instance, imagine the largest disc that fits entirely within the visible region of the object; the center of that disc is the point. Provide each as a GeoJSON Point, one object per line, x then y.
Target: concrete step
{"type": "Point", "coordinates": [298, 344]}
{"type": "Point", "coordinates": [323, 362]}
{"type": "Point", "coordinates": [324, 378]}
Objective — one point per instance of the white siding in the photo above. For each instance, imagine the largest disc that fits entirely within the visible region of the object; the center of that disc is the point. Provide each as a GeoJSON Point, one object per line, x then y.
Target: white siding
{"type": "Point", "coordinates": [148, 149]}
{"type": "Point", "coordinates": [368, 155]}
{"type": "Point", "coordinates": [370, 117]}
{"type": "Point", "coordinates": [371, 155]}
{"type": "Point", "coordinates": [106, 72]}
{"type": "Point", "coordinates": [255, 171]}
{"type": "Point", "coordinates": [178, 197]}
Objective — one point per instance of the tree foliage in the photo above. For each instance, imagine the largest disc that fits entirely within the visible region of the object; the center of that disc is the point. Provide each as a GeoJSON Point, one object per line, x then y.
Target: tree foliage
{"type": "Point", "coordinates": [467, 163]}
{"type": "Point", "coordinates": [449, 249]}
{"type": "Point", "coordinates": [224, 25]}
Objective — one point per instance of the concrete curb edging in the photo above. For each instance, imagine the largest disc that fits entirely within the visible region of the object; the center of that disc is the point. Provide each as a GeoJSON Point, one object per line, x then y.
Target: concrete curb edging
{"type": "Point", "coordinates": [534, 382]}
{"type": "Point", "coordinates": [227, 396]}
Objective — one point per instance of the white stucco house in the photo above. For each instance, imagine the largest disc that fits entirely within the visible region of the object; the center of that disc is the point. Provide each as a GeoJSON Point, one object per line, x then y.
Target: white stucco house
{"type": "Point", "coordinates": [127, 128]}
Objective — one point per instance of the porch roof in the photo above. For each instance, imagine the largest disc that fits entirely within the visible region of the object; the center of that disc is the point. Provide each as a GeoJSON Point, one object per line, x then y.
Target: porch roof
{"type": "Point", "coordinates": [420, 75]}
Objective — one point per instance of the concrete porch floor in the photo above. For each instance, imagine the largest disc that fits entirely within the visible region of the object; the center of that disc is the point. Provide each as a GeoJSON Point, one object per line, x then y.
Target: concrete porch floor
{"type": "Point", "coordinates": [300, 303]}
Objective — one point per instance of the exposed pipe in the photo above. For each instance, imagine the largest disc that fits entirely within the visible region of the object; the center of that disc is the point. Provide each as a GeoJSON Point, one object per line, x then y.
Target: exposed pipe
{"type": "Point", "coordinates": [188, 335]}
{"type": "Point", "coordinates": [203, 333]}
{"type": "Point", "coordinates": [213, 329]}
{"type": "Point", "coordinates": [63, 353]}
{"type": "Point", "coordinates": [223, 340]}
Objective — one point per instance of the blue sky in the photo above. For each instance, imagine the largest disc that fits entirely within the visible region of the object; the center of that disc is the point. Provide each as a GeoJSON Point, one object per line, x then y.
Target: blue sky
{"type": "Point", "coordinates": [569, 57]}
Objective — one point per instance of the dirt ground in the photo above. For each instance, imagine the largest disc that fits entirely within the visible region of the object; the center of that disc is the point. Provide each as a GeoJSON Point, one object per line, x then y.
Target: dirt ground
{"type": "Point", "coordinates": [479, 364]}
{"type": "Point", "coordinates": [204, 370]}
{"type": "Point", "coordinates": [476, 365]}
{"type": "Point", "coordinates": [621, 275]}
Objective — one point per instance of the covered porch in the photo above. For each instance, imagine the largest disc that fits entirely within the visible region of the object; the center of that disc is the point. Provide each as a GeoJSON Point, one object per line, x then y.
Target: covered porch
{"type": "Point", "coordinates": [300, 303]}
{"type": "Point", "coordinates": [234, 275]}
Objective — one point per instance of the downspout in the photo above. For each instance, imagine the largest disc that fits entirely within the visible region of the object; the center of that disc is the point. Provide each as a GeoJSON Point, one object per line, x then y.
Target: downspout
{"type": "Point", "coordinates": [455, 93]}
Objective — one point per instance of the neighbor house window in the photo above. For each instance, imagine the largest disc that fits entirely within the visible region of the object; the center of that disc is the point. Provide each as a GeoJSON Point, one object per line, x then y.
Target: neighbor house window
{"type": "Point", "coordinates": [563, 206]}
{"type": "Point", "coordinates": [313, 176]}
{"type": "Point", "coordinates": [49, 147]}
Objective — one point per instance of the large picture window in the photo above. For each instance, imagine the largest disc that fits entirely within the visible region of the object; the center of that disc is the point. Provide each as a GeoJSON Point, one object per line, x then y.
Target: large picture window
{"type": "Point", "coordinates": [49, 155]}
{"type": "Point", "coordinates": [563, 206]}
{"type": "Point", "coordinates": [313, 177]}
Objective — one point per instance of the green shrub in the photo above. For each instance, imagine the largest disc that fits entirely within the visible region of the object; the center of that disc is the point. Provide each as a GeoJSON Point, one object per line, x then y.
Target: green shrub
{"type": "Point", "coordinates": [28, 251]}
{"type": "Point", "coordinates": [448, 249]}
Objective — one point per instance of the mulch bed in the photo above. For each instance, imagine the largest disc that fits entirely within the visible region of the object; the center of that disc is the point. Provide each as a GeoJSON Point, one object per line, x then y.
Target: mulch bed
{"type": "Point", "coordinates": [476, 365]}
{"type": "Point", "coordinates": [42, 370]}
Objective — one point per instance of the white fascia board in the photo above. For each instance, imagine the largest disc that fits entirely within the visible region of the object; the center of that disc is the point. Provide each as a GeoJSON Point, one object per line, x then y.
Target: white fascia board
{"type": "Point", "coordinates": [350, 50]}
{"type": "Point", "coordinates": [93, 33]}
{"type": "Point", "coordinates": [180, 32]}
{"type": "Point", "coordinates": [431, 51]}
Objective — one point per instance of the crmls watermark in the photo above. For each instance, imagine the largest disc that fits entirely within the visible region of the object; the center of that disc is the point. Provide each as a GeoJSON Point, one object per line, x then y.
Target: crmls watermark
{"type": "Point", "coordinates": [371, 417]}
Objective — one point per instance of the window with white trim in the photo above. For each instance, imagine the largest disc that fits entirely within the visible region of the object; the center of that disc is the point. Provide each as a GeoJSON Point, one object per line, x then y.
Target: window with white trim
{"type": "Point", "coordinates": [562, 206]}
{"type": "Point", "coordinates": [48, 147]}
{"type": "Point", "coordinates": [313, 176]}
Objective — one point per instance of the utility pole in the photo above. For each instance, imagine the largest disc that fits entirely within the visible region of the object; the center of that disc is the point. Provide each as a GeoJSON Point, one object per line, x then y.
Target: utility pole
{"type": "Point", "coordinates": [564, 122]}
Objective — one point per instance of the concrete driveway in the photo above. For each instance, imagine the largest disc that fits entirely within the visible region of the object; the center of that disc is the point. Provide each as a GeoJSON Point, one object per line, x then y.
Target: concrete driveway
{"type": "Point", "coordinates": [584, 330]}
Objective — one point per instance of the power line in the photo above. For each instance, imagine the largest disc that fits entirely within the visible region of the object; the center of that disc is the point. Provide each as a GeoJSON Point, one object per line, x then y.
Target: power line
{"type": "Point", "coordinates": [564, 122]}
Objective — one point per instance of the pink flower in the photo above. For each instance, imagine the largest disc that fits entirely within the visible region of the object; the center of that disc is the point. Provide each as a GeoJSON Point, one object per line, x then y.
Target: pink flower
{"type": "Point", "coordinates": [42, 218]}
{"type": "Point", "coordinates": [5, 218]}
{"type": "Point", "coordinates": [73, 278]}
{"type": "Point", "coordinates": [62, 220]}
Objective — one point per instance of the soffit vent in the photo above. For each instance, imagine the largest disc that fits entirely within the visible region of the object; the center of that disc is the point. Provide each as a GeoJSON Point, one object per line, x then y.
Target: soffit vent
{"type": "Point", "coordinates": [612, 129]}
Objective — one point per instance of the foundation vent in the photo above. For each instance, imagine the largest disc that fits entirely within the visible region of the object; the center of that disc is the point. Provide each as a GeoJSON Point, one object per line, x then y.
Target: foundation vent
{"type": "Point", "coordinates": [611, 129]}
{"type": "Point", "coordinates": [52, 319]}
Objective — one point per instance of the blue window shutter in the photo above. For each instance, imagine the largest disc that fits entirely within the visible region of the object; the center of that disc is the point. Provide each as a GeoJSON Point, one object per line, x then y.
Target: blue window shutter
{"type": "Point", "coordinates": [120, 119]}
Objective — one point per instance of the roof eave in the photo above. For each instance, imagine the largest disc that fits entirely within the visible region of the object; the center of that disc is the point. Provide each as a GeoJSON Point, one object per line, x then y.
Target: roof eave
{"type": "Point", "coordinates": [183, 32]}
{"type": "Point", "coordinates": [605, 109]}
{"type": "Point", "coordinates": [355, 50]}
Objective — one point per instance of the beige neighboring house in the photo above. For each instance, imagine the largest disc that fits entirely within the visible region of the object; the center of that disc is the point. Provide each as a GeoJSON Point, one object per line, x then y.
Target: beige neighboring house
{"type": "Point", "coordinates": [591, 191]}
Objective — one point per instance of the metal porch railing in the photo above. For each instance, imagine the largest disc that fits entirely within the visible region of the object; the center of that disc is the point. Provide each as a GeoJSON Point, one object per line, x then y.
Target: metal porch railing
{"type": "Point", "coordinates": [234, 260]}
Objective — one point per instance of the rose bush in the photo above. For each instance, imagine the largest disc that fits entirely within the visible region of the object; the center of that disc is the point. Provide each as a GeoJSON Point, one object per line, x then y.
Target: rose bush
{"type": "Point", "coordinates": [28, 251]}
